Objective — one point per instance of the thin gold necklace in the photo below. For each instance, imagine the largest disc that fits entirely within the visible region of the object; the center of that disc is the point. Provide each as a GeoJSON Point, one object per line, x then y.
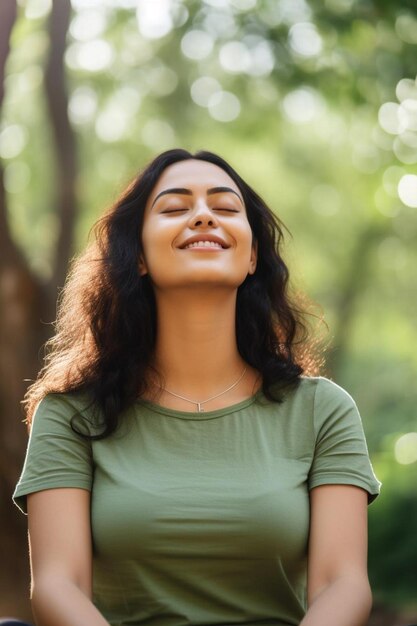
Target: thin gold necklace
{"type": "Point", "coordinates": [199, 404]}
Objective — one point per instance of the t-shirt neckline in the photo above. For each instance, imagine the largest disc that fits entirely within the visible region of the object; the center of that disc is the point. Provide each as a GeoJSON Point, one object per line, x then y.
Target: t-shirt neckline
{"type": "Point", "coordinates": [205, 415]}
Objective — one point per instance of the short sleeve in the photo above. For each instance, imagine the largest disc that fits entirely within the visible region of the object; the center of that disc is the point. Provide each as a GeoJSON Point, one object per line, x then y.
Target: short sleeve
{"type": "Point", "coordinates": [56, 456]}
{"type": "Point", "coordinates": [341, 454]}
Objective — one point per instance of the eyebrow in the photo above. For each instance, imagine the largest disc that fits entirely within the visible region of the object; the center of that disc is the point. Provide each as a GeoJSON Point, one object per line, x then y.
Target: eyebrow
{"type": "Point", "coordinates": [188, 192]}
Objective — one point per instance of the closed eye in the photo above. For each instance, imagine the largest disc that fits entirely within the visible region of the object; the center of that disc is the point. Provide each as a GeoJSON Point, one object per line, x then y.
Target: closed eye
{"type": "Point", "coordinates": [226, 210]}
{"type": "Point", "coordinates": [174, 210]}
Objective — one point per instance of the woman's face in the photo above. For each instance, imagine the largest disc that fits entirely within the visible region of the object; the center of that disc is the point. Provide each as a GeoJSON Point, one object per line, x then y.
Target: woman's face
{"type": "Point", "coordinates": [196, 231]}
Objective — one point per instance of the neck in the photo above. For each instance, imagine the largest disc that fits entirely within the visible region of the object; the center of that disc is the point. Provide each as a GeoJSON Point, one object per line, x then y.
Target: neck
{"type": "Point", "coordinates": [196, 350]}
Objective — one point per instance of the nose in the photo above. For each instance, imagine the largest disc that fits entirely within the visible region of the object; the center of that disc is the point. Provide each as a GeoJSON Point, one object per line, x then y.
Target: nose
{"type": "Point", "coordinates": [202, 216]}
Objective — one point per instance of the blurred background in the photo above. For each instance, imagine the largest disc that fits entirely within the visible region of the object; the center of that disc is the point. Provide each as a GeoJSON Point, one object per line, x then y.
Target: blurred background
{"type": "Point", "coordinates": [315, 104]}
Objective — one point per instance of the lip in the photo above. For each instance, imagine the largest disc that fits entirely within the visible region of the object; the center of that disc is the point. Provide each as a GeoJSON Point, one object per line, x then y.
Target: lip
{"type": "Point", "coordinates": [197, 238]}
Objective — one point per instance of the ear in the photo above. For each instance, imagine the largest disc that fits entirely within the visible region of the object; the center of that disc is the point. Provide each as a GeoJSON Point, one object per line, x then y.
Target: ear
{"type": "Point", "coordinates": [142, 267]}
{"type": "Point", "coordinates": [253, 258]}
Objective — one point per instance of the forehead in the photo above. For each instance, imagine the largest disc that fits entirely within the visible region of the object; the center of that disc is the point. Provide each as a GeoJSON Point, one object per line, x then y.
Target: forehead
{"type": "Point", "coordinates": [194, 175]}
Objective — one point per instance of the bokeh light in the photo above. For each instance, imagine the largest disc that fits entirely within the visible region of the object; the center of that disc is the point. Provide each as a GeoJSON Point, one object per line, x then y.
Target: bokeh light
{"type": "Point", "coordinates": [87, 25]}
{"type": "Point", "coordinates": [82, 105]}
{"type": "Point", "coordinates": [111, 124]}
{"type": "Point", "coordinates": [203, 89]}
{"type": "Point", "coordinates": [288, 12]}
{"type": "Point", "coordinates": [13, 139]}
{"type": "Point", "coordinates": [161, 80]}
{"type": "Point", "coordinates": [243, 5]}
{"type": "Point", "coordinates": [405, 449]}
{"type": "Point", "coordinates": [91, 56]}
{"type": "Point", "coordinates": [234, 57]}
{"type": "Point", "coordinates": [407, 190]}
{"type": "Point", "coordinates": [224, 106]}
{"type": "Point", "coordinates": [37, 9]}
{"type": "Point", "coordinates": [406, 28]}
{"type": "Point", "coordinates": [406, 88]}
{"type": "Point", "coordinates": [409, 108]}
{"type": "Point", "coordinates": [253, 56]}
{"type": "Point", "coordinates": [262, 58]}
{"type": "Point", "coordinates": [305, 40]}
{"type": "Point", "coordinates": [409, 138]}
{"type": "Point", "coordinates": [392, 118]}
{"type": "Point", "coordinates": [220, 24]}
{"type": "Point", "coordinates": [218, 4]}
{"type": "Point", "coordinates": [20, 84]}
{"type": "Point", "coordinates": [115, 120]}
{"type": "Point", "coordinates": [196, 44]}
{"type": "Point", "coordinates": [404, 152]}
{"type": "Point", "coordinates": [390, 179]}
{"type": "Point", "coordinates": [302, 105]}
{"type": "Point", "coordinates": [154, 18]}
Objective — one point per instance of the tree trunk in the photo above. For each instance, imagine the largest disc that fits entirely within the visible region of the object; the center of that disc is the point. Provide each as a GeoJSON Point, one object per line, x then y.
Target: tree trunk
{"type": "Point", "coordinates": [25, 303]}
{"type": "Point", "coordinates": [20, 298]}
{"type": "Point", "coordinates": [57, 98]}
{"type": "Point", "coordinates": [356, 278]}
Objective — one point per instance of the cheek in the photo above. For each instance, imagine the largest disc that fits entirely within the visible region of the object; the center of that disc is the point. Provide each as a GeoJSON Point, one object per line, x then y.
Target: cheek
{"type": "Point", "coordinates": [159, 256]}
{"type": "Point", "coordinates": [248, 251]}
{"type": "Point", "coordinates": [156, 242]}
{"type": "Point", "coordinates": [246, 239]}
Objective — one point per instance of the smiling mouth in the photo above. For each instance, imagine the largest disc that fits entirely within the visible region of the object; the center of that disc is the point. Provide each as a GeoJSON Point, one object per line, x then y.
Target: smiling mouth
{"type": "Point", "coordinates": [205, 245]}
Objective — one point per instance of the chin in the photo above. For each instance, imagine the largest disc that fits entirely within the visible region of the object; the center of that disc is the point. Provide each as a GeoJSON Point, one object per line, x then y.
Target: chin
{"type": "Point", "coordinates": [201, 280]}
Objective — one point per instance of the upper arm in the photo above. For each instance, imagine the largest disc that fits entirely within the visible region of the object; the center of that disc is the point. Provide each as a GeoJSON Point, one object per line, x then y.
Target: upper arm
{"type": "Point", "coordinates": [338, 537]}
{"type": "Point", "coordinates": [60, 536]}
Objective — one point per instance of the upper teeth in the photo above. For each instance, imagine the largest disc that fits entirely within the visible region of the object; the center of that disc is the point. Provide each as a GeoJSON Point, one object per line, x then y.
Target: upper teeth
{"type": "Point", "coordinates": [206, 244]}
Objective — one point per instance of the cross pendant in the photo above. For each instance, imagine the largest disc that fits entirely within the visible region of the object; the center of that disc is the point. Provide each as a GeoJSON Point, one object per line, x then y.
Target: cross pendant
{"type": "Point", "coordinates": [200, 408]}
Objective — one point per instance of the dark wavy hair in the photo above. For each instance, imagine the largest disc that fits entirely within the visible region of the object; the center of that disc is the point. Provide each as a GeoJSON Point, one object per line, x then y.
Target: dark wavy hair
{"type": "Point", "coordinates": [106, 323]}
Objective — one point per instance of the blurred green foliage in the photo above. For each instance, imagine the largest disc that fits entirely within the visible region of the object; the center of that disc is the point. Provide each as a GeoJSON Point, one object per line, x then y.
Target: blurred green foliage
{"type": "Point", "coordinates": [393, 537]}
{"type": "Point", "coordinates": [295, 95]}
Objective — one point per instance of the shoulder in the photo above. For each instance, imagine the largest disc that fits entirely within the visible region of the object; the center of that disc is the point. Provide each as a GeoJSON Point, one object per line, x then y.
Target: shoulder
{"type": "Point", "coordinates": [316, 390]}
{"type": "Point", "coordinates": [57, 410]}
{"type": "Point", "coordinates": [324, 401]}
{"type": "Point", "coordinates": [334, 409]}
{"type": "Point", "coordinates": [64, 403]}
{"type": "Point", "coordinates": [324, 390]}
{"type": "Point", "coordinates": [313, 392]}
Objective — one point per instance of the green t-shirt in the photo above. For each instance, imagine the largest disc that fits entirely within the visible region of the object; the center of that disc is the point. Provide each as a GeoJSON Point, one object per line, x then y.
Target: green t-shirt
{"type": "Point", "coordinates": [203, 518]}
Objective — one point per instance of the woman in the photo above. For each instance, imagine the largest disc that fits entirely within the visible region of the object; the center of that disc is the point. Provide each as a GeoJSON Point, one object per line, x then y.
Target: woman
{"type": "Point", "coordinates": [181, 468]}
